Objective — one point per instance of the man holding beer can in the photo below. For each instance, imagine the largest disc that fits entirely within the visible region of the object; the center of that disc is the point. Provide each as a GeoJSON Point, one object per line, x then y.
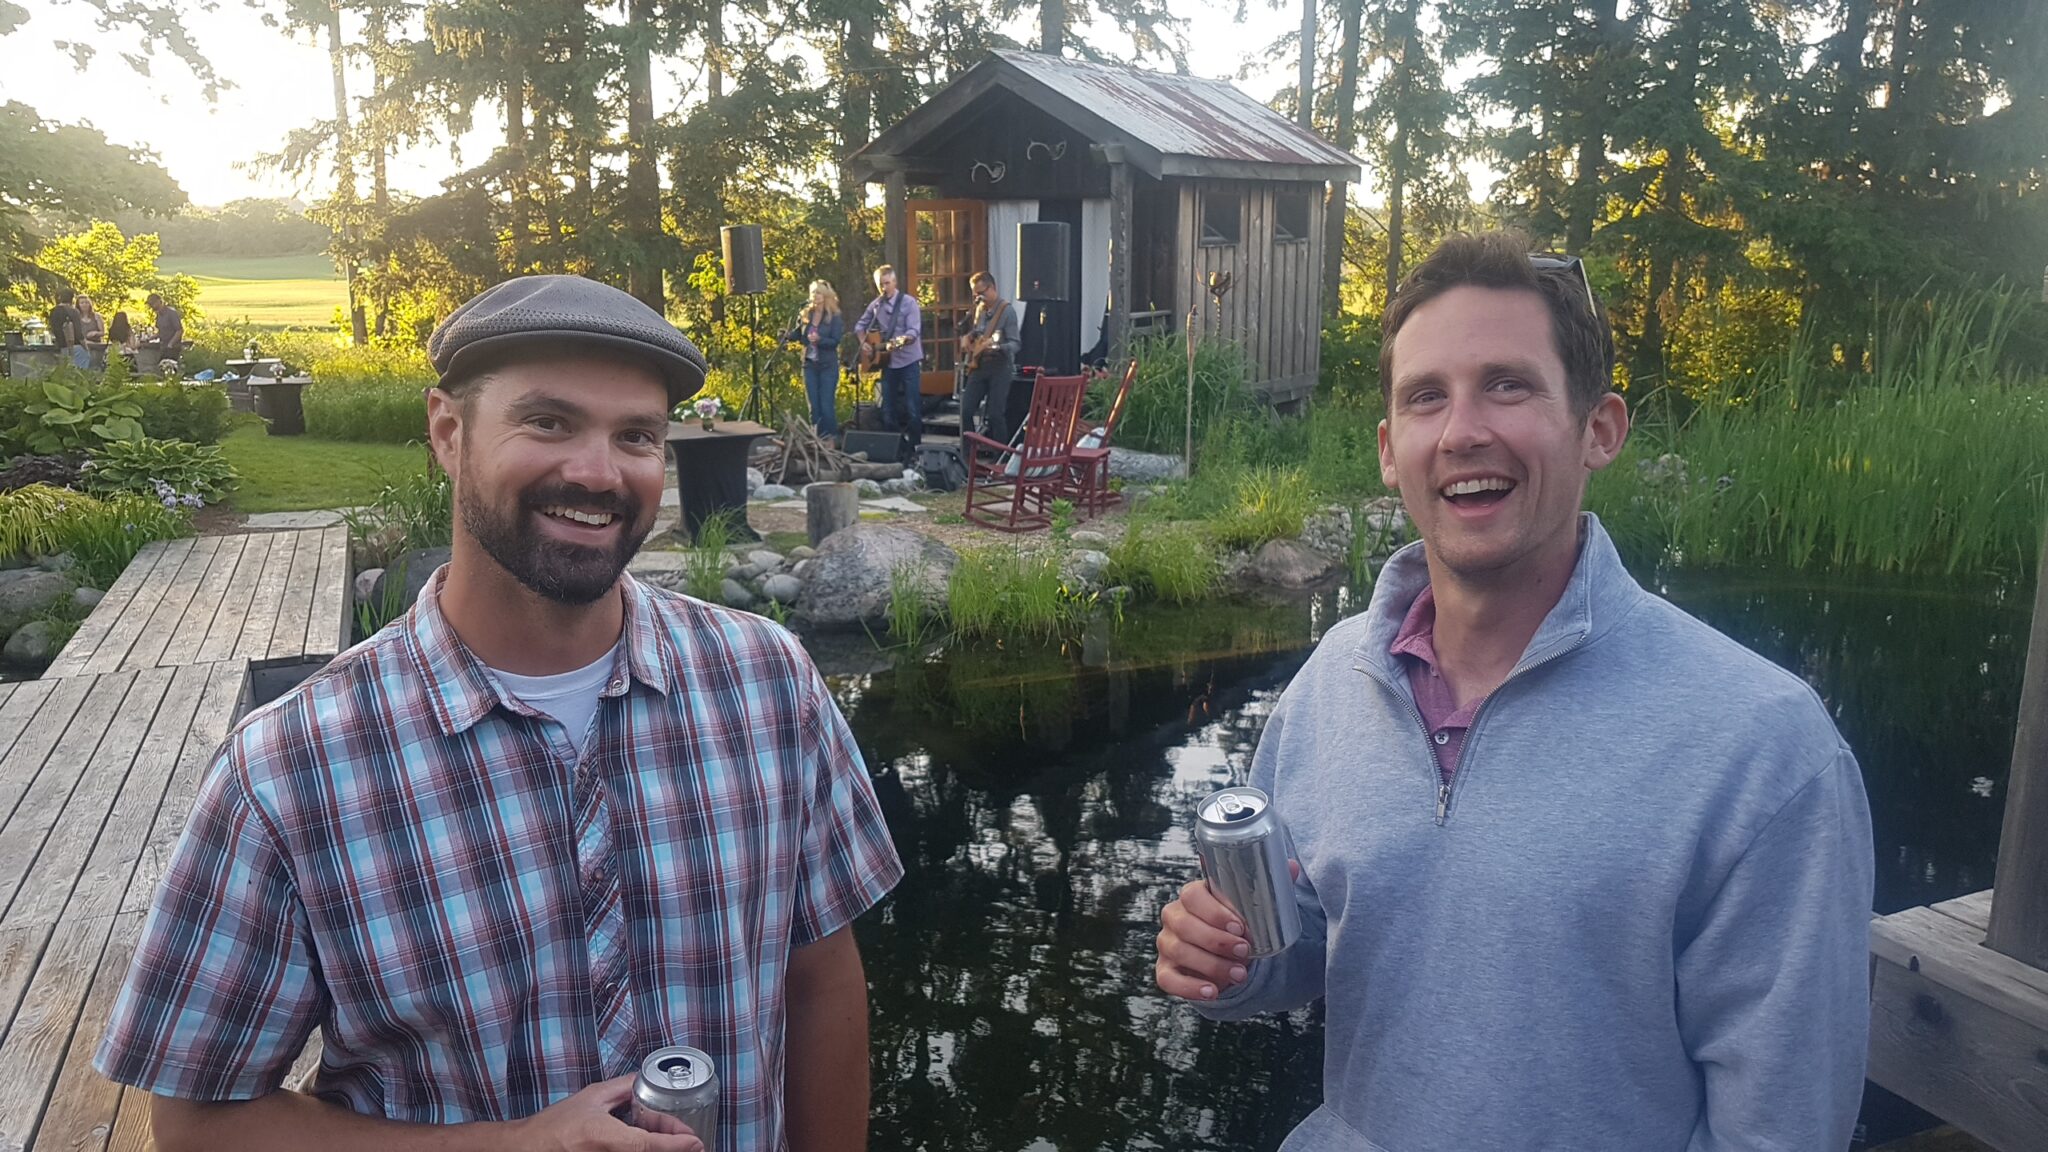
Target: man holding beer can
{"type": "Point", "coordinates": [1574, 871]}
{"type": "Point", "coordinates": [549, 829]}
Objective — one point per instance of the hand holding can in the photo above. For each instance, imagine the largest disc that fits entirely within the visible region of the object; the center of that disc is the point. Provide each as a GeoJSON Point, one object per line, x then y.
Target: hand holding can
{"type": "Point", "coordinates": [1244, 850]}
{"type": "Point", "coordinates": [677, 1092]}
{"type": "Point", "coordinates": [1202, 949]}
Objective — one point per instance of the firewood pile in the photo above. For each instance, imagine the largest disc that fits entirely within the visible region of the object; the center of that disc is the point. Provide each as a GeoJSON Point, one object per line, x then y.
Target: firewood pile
{"type": "Point", "coordinates": [799, 455]}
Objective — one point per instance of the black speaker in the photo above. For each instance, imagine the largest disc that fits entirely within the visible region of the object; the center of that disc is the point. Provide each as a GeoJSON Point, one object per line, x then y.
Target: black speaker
{"type": "Point", "coordinates": [881, 447]}
{"type": "Point", "coordinates": [746, 273]}
{"type": "Point", "coordinates": [1042, 267]}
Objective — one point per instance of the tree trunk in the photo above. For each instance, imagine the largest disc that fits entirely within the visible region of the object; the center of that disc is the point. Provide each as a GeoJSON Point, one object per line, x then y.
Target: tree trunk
{"type": "Point", "coordinates": [856, 119]}
{"type": "Point", "coordinates": [1305, 115]}
{"type": "Point", "coordinates": [515, 162]}
{"type": "Point", "coordinates": [1337, 207]}
{"type": "Point", "coordinates": [1052, 27]}
{"type": "Point", "coordinates": [345, 170]}
{"type": "Point", "coordinates": [378, 145]}
{"type": "Point", "coordinates": [714, 44]}
{"type": "Point", "coordinates": [1846, 54]}
{"type": "Point", "coordinates": [1399, 166]}
{"type": "Point", "coordinates": [1590, 162]}
{"type": "Point", "coordinates": [643, 185]}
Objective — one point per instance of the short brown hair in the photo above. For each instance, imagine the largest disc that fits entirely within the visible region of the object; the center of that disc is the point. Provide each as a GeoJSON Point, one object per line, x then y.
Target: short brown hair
{"type": "Point", "coordinates": [1585, 341]}
{"type": "Point", "coordinates": [884, 270]}
{"type": "Point", "coordinates": [978, 279]}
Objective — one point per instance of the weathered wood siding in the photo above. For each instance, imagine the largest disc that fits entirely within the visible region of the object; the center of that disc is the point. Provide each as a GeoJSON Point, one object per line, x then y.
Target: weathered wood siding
{"type": "Point", "coordinates": [1274, 306]}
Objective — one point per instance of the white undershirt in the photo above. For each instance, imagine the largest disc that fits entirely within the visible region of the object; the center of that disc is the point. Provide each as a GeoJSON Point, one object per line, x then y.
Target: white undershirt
{"type": "Point", "coordinates": [569, 697]}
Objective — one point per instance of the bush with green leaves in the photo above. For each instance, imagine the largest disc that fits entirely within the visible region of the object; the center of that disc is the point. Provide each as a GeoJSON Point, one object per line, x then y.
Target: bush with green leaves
{"type": "Point", "coordinates": [147, 467]}
{"type": "Point", "coordinates": [71, 417]}
{"type": "Point", "coordinates": [173, 411]}
{"type": "Point", "coordinates": [386, 412]}
{"type": "Point", "coordinates": [412, 510]}
{"type": "Point", "coordinates": [1176, 562]}
{"type": "Point", "coordinates": [101, 535]}
{"type": "Point", "coordinates": [1155, 416]}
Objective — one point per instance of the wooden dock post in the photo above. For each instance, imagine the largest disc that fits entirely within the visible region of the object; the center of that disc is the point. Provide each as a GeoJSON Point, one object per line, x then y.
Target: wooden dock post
{"type": "Point", "coordinates": [1959, 991]}
{"type": "Point", "coordinates": [2019, 907]}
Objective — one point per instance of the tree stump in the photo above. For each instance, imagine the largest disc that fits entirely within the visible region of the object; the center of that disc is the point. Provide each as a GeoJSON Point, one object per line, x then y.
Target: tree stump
{"type": "Point", "coordinates": [830, 507]}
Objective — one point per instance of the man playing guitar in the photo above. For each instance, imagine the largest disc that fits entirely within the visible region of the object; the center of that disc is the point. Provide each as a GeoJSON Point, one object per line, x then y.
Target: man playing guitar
{"type": "Point", "coordinates": [890, 327]}
{"type": "Point", "coordinates": [989, 352]}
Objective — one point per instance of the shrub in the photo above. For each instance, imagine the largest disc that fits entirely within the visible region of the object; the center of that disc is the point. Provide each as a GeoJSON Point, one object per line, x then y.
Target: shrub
{"type": "Point", "coordinates": [175, 412]}
{"type": "Point", "coordinates": [146, 467]}
{"type": "Point", "coordinates": [101, 535]}
{"type": "Point", "coordinates": [1268, 504]}
{"type": "Point", "coordinates": [1175, 561]}
{"type": "Point", "coordinates": [1001, 591]}
{"type": "Point", "coordinates": [383, 412]}
{"type": "Point", "coordinates": [1155, 416]}
{"type": "Point", "coordinates": [414, 510]}
{"type": "Point", "coordinates": [71, 417]}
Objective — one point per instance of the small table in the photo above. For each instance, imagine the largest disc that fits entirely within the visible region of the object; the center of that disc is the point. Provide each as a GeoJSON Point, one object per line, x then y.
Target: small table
{"type": "Point", "coordinates": [711, 471]}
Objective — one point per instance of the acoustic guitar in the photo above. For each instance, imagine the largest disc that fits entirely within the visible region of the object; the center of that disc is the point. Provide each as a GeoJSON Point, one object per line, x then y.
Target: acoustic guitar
{"type": "Point", "coordinates": [874, 351]}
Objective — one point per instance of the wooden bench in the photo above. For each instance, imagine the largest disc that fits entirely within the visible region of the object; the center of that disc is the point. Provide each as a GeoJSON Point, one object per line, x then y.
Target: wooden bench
{"type": "Point", "coordinates": [276, 599]}
{"type": "Point", "coordinates": [97, 777]}
{"type": "Point", "coordinates": [1957, 1028]}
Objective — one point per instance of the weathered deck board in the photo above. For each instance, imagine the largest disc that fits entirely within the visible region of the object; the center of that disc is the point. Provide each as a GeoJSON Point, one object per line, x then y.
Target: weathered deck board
{"type": "Point", "coordinates": [70, 928]}
{"type": "Point", "coordinates": [93, 631]}
{"type": "Point", "coordinates": [1958, 1028]}
{"type": "Point", "coordinates": [278, 598]}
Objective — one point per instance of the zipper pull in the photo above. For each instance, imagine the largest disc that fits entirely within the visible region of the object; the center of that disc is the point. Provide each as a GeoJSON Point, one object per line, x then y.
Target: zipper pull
{"type": "Point", "coordinates": [1443, 802]}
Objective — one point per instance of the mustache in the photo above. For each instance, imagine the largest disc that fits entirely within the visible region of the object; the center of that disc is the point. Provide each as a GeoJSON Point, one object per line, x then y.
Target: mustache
{"type": "Point", "coordinates": [540, 496]}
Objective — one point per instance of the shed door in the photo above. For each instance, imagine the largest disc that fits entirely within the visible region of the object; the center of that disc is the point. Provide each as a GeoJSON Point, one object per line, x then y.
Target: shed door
{"type": "Point", "coordinates": [948, 243]}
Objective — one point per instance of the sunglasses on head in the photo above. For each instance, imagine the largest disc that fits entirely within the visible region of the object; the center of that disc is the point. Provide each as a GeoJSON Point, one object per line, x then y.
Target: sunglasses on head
{"type": "Point", "coordinates": [1548, 261]}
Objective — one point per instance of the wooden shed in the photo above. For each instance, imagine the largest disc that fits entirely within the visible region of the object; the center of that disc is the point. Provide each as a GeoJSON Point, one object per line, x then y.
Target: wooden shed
{"type": "Point", "coordinates": [1163, 180]}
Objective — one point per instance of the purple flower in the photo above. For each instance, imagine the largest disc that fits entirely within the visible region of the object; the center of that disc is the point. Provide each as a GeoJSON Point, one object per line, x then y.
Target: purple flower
{"type": "Point", "coordinates": [170, 501]}
{"type": "Point", "coordinates": [194, 500]}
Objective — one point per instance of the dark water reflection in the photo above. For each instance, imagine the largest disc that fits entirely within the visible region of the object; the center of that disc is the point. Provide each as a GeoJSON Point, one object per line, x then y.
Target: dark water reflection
{"type": "Point", "coordinates": [1037, 797]}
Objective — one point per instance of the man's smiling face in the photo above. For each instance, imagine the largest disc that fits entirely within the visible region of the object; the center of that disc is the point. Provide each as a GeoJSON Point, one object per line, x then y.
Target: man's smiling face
{"type": "Point", "coordinates": [558, 470]}
{"type": "Point", "coordinates": [1481, 437]}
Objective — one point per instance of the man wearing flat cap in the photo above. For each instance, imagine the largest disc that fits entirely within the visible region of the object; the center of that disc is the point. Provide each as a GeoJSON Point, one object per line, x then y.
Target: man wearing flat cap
{"type": "Point", "coordinates": [549, 821]}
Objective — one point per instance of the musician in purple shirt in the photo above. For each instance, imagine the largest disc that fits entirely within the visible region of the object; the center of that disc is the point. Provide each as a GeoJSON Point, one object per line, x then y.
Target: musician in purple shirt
{"type": "Point", "coordinates": [894, 314]}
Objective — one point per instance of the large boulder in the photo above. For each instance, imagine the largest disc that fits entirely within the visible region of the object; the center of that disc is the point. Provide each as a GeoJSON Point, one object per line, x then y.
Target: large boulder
{"type": "Point", "coordinates": [1143, 467]}
{"type": "Point", "coordinates": [417, 567]}
{"type": "Point", "coordinates": [87, 598]}
{"type": "Point", "coordinates": [773, 492]}
{"type": "Point", "coordinates": [32, 646]}
{"type": "Point", "coordinates": [755, 479]}
{"type": "Point", "coordinates": [1084, 568]}
{"type": "Point", "coordinates": [848, 581]}
{"type": "Point", "coordinates": [26, 593]}
{"type": "Point", "coordinates": [1291, 564]}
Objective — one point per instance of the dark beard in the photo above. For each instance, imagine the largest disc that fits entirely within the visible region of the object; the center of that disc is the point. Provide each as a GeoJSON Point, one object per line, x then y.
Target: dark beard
{"type": "Point", "coordinates": [569, 574]}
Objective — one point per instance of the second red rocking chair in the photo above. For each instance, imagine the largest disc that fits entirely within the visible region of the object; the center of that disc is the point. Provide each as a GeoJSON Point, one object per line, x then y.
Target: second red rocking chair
{"type": "Point", "coordinates": [1011, 487]}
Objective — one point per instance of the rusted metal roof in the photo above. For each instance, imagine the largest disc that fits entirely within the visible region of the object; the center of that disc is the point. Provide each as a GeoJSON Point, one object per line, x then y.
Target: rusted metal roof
{"type": "Point", "coordinates": [1168, 125]}
{"type": "Point", "coordinates": [1180, 115]}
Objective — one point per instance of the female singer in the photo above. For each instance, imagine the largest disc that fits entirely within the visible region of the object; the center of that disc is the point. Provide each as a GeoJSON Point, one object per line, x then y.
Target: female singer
{"type": "Point", "coordinates": [819, 328]}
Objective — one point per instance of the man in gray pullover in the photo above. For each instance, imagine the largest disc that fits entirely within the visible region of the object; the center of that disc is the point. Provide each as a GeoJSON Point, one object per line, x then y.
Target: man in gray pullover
{"type": "Point", "coordinates": [1577, 872]}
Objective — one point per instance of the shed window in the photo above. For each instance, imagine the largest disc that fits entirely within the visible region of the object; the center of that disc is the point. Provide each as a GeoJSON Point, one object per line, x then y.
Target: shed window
{"type": "Point", "coordinates": [1292, 212]}
{"type": "Point", "coordinates": [1222, 217]}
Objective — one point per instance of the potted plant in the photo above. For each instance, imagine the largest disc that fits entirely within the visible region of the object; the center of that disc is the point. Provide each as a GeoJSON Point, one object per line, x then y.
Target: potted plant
{"type": "Point", "coordinates": [707, 410]}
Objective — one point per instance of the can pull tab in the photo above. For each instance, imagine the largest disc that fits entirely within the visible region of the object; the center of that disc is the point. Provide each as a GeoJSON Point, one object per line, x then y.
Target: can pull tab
{"type": "Point", "coordinates": [1234, 809]}
{"type": "Point", "coordinates": [677, 1069]}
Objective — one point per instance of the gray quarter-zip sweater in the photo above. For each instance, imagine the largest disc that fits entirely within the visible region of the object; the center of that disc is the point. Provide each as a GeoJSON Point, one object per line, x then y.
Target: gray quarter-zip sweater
{"type": "Point", "coordinates": [1637, 920]}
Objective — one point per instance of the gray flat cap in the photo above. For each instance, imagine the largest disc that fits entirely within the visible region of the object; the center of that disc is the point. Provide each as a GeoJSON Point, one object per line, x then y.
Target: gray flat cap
{"type": "Point", "coordinates": [557, 314]}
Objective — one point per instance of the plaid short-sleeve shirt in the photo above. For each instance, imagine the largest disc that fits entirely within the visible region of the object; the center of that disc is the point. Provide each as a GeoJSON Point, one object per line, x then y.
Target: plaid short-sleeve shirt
{"type": "Point", "coordinates": [481, 922]}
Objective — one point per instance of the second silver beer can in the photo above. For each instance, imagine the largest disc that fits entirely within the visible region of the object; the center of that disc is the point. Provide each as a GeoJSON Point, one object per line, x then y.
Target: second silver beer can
{"type": "Point", "coordinates": [680, 1082]}
{"type": "Point", "coordinates": [1244, 850]}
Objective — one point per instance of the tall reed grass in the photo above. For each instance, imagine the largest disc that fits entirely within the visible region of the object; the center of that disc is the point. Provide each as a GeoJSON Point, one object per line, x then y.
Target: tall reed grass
{"type": "Point", "coordinates": [1007, 591]}
{"type": "Point", "coordinates": [1935, 462]}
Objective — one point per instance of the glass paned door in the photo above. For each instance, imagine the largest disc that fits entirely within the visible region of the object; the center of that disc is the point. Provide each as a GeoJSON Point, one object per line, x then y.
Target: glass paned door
{"type": "Point", "coordinates": [948, 243]}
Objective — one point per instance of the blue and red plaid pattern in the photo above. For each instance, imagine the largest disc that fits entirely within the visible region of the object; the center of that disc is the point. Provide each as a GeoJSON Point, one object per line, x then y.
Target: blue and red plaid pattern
{"type": "Point", "coordinates": [405, 855]}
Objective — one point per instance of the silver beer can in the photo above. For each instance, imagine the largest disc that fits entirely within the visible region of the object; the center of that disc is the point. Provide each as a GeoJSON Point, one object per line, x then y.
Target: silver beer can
{"type": "Point", "coordinates": [1244, 850]}
{"type": "Point", "coordinates": [681, 1083]}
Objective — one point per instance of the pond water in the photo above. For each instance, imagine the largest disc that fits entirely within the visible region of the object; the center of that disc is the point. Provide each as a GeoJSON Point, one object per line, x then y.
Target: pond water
{"type": "Point", "coordinates": [1037, 797]}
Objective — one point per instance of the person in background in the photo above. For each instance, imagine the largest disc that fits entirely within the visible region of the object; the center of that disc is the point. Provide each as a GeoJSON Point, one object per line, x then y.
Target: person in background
{"type": "Point", "coordinates": [547, 822]}
{"type": "Point", "coordinates": [170, 326]}
{"type": "Point", "coordinates": [991, 344]}
{"type": "Point", "coordinates": [894, 314]}
{"type": "Point", "coordinates": [1576, 871]}
{"type": "Point", "coordinates": [94, 330]}
{"type": "Point", "coordinates": [121, 334]}
{"type": "Point", "coordinates": [819, 328]}
{"type": "Point", "coordinates": [67, 330]}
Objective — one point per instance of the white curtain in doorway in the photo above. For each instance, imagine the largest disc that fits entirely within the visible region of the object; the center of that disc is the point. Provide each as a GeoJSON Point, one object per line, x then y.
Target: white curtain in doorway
{"type": "Point", "coordinates": [1003, 218]}
{"type": "Point", "coordinates": [1094, 270]}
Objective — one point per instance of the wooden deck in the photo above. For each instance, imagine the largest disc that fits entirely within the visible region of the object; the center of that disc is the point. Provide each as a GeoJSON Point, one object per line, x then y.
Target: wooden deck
{"type": "Point", "coordinates": [1957, 1028]}
{"type": "Point", "coordinates": [276, 599]}
{"type": "Point", "coordinates": [97, 776]}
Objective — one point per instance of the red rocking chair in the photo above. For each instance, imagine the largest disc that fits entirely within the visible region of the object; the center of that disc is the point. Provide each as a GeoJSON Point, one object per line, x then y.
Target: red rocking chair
{"type": "Point", "coordinates": [1011, 487]}
{"type": "Point", "coordinates": [1088, 473]}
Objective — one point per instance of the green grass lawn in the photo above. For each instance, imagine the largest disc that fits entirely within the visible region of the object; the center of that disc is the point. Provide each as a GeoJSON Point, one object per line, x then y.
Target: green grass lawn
{"type": "Point", "coordinates": [296, 473]}
{"type": "Point", "coordinates": [267, 291]}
